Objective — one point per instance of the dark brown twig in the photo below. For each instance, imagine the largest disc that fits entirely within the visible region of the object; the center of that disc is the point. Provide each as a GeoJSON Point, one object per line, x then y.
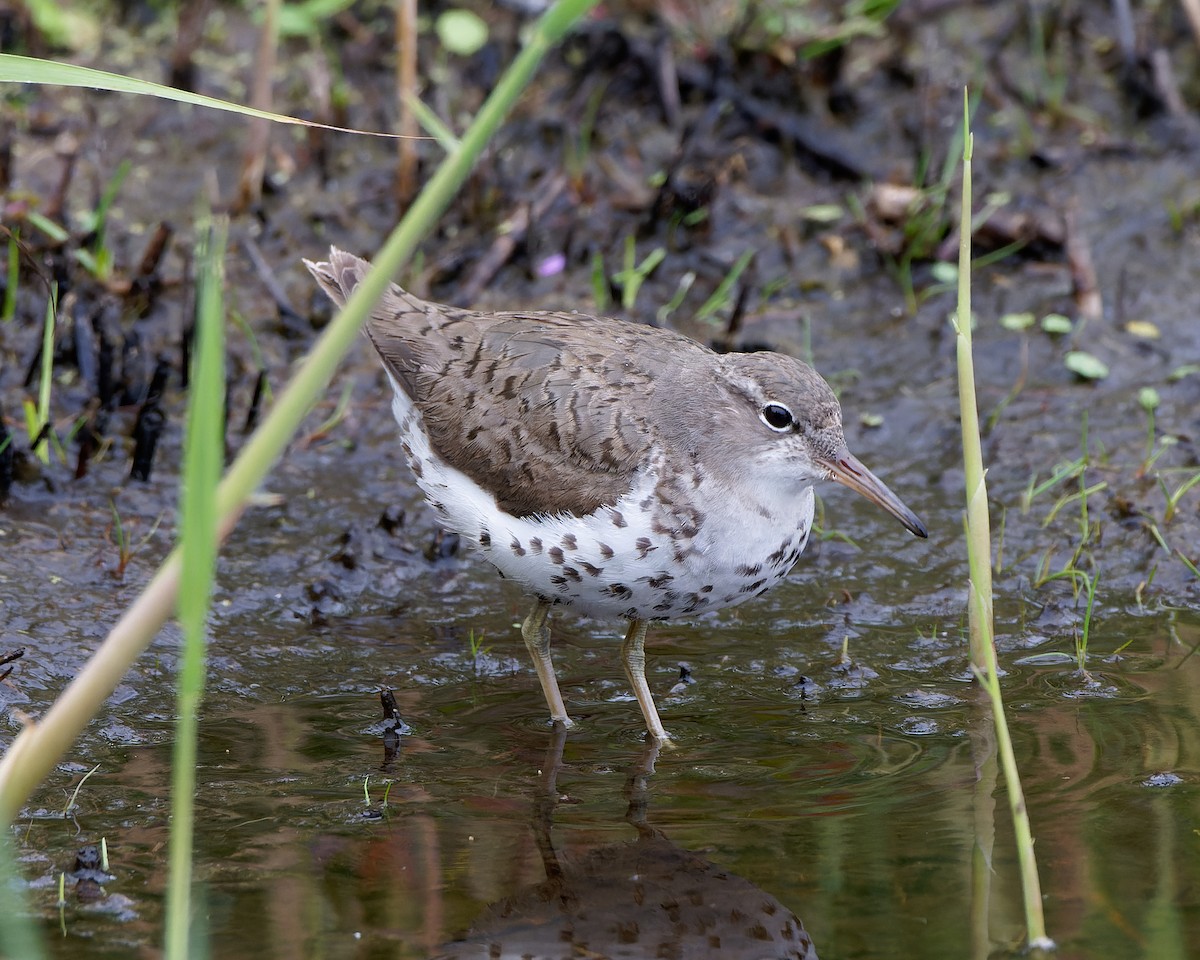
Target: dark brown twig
{"type": "Point", "coordinates": [152, 257]}
{"type": "Point", "coordinates": [260, 384]}
{"type": "Point", "coordinates": [66, 148]}
{"type": "Point", "coordinates": [667, 77]}
{"type": "Point", "coordinates": [258, 134]}
{"type": "Point", "coordinates": [1083, 271]}
{"type": "Point", "coordinates": [406, 92]}
{"type": "Point", "coordinates": [149, 425]}
{"type": "Point", "coordinates": [192, 17]}
{"type": "Point", "coordinates": [320, 91]}
{"type": "Point", "coordinates": [10, 658]}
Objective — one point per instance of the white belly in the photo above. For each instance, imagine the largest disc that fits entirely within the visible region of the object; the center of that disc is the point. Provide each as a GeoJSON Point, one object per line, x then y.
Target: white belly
{"type": "Point", "coordinates": [616, 562]}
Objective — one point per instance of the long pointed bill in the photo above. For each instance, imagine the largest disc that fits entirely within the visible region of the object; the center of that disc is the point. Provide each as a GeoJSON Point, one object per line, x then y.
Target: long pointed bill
{"type": "Point", "coordinates": [849, 471]}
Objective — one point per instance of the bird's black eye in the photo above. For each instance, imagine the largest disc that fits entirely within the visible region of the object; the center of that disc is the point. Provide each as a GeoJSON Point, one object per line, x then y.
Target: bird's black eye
{"type": "Point", "coordinates": [777, 417]}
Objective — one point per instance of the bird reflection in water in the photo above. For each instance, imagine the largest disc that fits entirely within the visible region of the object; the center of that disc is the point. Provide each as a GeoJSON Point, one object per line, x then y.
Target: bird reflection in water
{"type": "Point", "coordinates": [645, 898]}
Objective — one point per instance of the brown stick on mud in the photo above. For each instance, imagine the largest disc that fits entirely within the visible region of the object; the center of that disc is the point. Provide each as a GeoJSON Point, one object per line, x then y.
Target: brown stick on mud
{"type": "Point", "coordinates": [1083, 270]}
{"type": "Point", "coordinates": [320, 92]}
{"type": "Point", "coordinates": [258, 135]}
{"type": "Point", "coordinates": [406, 92]}
{"type": "Point", "coordinates": [148, 428]}
{"type": "Point", "coordinates": [260, 386]}
{"type": "Point", "coordinates": [145, 282]}
{"type": "Point", "coordinates": [66, 148]}
{"type": "Point", "coordinates": [152, 257]}
{"type": "Point", "coordinates": [1166, 84]}
{"type": "Point", "coordinates": [512, 233]}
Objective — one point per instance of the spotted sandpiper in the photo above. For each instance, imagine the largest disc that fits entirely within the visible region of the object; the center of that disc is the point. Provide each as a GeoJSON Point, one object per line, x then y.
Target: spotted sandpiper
{"type": "Point", "coordinates": [627, 471]}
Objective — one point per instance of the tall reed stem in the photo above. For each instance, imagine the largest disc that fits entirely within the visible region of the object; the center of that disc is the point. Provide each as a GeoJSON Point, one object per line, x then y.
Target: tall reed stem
{"type": "Point", "coordinates": [979, 556]}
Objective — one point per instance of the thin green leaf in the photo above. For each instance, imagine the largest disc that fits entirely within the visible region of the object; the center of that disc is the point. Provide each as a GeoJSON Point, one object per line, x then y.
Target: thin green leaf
{"type": "Point", "coordinates": [18, 69]}
{"type": "Point", "coordinates": [721, 294]}
{"type": "Point", "coordinates": [47, 226]}
{"type": "Point", "coordinates": [433, 124]}
{"type": "Point", "coordinates": [202, 459]}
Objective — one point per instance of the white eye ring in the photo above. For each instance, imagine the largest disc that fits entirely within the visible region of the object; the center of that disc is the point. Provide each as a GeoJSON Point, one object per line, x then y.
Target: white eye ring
{"type": "Point", "coordinates": [778, 417]}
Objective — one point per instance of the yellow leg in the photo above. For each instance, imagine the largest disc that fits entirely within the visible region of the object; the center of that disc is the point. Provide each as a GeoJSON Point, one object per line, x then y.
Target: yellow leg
{"type": "Point", "coordinates": [633, 655]}
{"type": "Point", "coordinates": [537, 639]}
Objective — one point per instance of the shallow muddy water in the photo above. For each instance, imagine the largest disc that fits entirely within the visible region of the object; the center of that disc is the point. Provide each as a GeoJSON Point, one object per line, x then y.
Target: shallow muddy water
{"type": "Point", "coordinates": [833, 787]}
{"type": "Point", "coordinates": [854, 797]}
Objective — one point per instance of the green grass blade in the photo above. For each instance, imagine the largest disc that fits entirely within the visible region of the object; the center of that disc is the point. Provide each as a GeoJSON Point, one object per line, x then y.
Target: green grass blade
{"type": "Point", "coordinates": [433, 124]}
{"type": "Point", "coordinates": [47, 375]}
{"type": "Point", "coordinates": [18, 933]}
{"type": "Point", "coordinates": [721, 295]}
{"type": "Point", "coordinates": [978, 520]}
{"type": "Point", "coordinates": [99, 224]}
{"type": "Point", "coordinates": [18, 69]}
{"type": "Point", "coordinates": [202, 457]}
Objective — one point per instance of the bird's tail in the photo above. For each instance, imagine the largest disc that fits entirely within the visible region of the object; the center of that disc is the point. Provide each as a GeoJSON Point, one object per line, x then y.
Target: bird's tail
{"type": "Point", "coordinates": [397, 309]}
{"type": "Point", "coordinates": [339, 275]}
